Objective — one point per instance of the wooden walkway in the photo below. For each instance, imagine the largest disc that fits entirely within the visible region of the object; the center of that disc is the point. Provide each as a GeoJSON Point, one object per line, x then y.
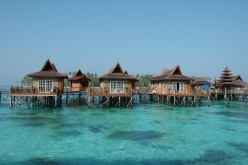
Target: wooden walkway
{"type": "Point", "coordinates": [185, 95]}
{"type": "Point", "coordinates": [34, 98]}
{"type": "Point", "coordinates": [231, 96]}
{"type": "Point", "coordinates": [4, 95]}
{"type": "Point", "coordinates": [33, 94]}
{"type": "Point", "coordinates": [111, 95]}
{"type": "Point", "coordinates": [100, 99]}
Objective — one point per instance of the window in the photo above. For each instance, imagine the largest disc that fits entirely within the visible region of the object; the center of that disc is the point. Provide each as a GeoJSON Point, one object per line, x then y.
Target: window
{"type": "Point", "coordinates": [116, 86]}
{"type": "Point", "coordinates": [178, 87]}
{"type": "Point", "coordinates": [45, 86]}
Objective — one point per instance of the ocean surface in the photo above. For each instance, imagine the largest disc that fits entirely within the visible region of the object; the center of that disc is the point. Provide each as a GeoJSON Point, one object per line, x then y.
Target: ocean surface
{"type": "Point", "coordinates": [145, 134]}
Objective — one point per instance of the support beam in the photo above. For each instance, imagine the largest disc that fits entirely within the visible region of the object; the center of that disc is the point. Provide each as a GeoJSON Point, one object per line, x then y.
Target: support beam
{"type": "Point", "coordinates": [10, 102]}
{"type": "Point", "coordinates": [208, 101]}
{"type": "Point", "coordinates": [55, 102]}
{"type": "Point", "coordinates": [174, 101]}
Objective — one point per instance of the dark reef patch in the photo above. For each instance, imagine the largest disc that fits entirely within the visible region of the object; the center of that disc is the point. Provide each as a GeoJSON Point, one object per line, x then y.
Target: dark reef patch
{"type": "Point", "coordinates": [135, 135]}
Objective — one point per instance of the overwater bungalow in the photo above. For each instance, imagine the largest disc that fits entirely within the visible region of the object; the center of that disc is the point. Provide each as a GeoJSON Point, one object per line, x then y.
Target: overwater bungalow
{"type": "Point", "coordinates": [171, 81]}
{"type": "Point", "coordinates": [173, 88]}
{"type": "Point", "coordinates": [200, 83]}
{"type": "Point", "coordinates": [116, 87]}
{"type": "Point", "coordinates": [228, 85]}
{"type": "Point", "coordinates": [48, 80]}
{"type": "Point", "coordinates": [47, 86]}
{"type": "Point", "coordinates": [79, 82]}
{"type": "Point", "coordinates": [116, 81]}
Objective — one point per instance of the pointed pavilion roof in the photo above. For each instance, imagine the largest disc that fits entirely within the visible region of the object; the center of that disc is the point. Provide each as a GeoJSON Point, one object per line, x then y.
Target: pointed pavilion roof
{"type": "Point", "coordinates": [226, 78]}
{"type": "Point", "coordinates": [226, 75]}
{"type": "Point", "coordinates": [226, 69]}
{"type": "Point", "coordinates": [172, 74]}
{"type": "Point", "coordinates": [48, 71]}
{"type": "Point", "coordinates": [117, 73]}
{"type": "Point", "coordinates": [79, 76]}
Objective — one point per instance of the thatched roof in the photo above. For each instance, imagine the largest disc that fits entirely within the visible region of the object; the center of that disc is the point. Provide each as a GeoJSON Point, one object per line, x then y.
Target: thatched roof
{"type": "Point", "coordinates": [173, 74]}
{"type": "Point", "coordinates": [117, 73]}
{"type": "Point", "coordinates": [79, 76]}
{"type": "Point", "coordinates": [48, 71]}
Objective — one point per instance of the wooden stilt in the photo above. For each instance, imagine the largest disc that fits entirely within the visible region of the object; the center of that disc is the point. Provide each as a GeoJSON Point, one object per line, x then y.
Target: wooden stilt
{"type": "Point", "coordinates": [208, 101]}
{"type": "Point", "coordinates": [28, 102]}
{"type": "Point", "coordinates": [119, 101]}
{"type": "Point", "coordinates": [174, 101]}
{"type": "Point", "coordinates": [55, 102]}
{"type": "Point", "coordinates": [10, 102]}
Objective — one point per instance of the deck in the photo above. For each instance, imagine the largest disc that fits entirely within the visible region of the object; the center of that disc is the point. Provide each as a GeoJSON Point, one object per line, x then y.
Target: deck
{"type": "Point", "coordinates": [33, 94]}
{"type": "Point", "coordinates": [33, 97]}
{"type": "Point", "coordinates": [184, 95]}
{"type": "Point", "coordinates": [110, 94]}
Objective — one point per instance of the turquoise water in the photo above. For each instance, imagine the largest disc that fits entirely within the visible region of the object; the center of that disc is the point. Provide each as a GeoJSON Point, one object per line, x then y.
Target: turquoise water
{"type": "Point", "coordinates": [145, 134]}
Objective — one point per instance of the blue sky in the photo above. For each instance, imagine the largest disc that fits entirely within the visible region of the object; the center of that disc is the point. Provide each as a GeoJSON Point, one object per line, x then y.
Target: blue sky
{"type": "Point", "coordinates": [144, 36]}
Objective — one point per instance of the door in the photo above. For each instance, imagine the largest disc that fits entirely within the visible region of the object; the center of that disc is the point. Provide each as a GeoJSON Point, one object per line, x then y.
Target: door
{"type": "Point", "coordinates": [178, 87]}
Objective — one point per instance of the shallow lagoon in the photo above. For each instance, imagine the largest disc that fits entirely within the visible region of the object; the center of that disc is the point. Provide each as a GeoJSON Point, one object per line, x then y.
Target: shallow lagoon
{"type": "Point", "coordinates": [145, 134]}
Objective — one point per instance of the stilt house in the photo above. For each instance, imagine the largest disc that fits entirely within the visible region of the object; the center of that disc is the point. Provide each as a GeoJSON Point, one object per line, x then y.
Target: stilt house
{"type": "Point", "coordinates": [171, 81]}
{"type": "Point", "coordinates": [48, 80]}
{"type": "Point", "coordinates": [228, 83]}
{"type": "Point", "coordinates": [79, 82]}
{"type": "Point", "coordinates": [200, 83]}
{"type": "Point", "coordinates": [117, 81]}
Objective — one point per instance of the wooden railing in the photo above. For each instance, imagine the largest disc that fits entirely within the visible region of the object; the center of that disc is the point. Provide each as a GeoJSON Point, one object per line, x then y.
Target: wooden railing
{"type": "Point", "coordinates": [244, 91]}
{"type": "Point", "coordinates": [174, 91]}
{"type": "Point", "coordinates": [75, 89]}
{"type": "Point", "coordinates": [4, 90]}
{"type": "Point", "coordinates": [96, 90]}
{"type": "Point", "coordinates": [29, 90]}
{"type": "Point", "coordinates": [144, 90]}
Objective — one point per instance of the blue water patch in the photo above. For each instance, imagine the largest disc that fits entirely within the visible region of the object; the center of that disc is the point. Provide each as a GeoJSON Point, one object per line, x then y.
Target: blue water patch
{"type": "Point", "coordinates": [145, 134]}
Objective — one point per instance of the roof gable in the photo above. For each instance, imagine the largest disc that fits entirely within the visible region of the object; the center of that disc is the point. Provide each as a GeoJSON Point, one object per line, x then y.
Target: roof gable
{"type": "Point", "coordinates": [79, 73]}
{"type": "Point", "coordinates": [48, 66]}
{"type": "Point", "coordinates": [174, 74]}
{"type": "Point", "coordinates": [117, 69]}
{"type": "Point", "coordinates": [236, 78]}
{"type": "Point", "coordinates": [79, 76]}
{"type": "Point", "coordinates": [48, 71]}
{"type": "Point", "coordinates": [117, 73]}
{"type": "Point", "coordinates": [239, 78]}
{"type": "Point", "coordinates": [176, 71]}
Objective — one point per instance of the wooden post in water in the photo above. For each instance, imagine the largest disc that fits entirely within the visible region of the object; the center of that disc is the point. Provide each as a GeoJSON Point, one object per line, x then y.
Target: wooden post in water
{"type": "Point", "coordinates": [216, 95]}
{"type": "Point", "coordinates": [225, 93]}
{"type": "Point", "coordinates": [66, 97]}
{"type": "Point", "coordinates": [131, 102]}
{"type": "Point", "coordinates": [79, 97]}
{"type": "Point", "coordinates": [208, 101]}
{"type": "Point", "coordinates": [28, 102]}
{"type": "Point", "coordinates": [10, 102]}
{"type": "Point", "coordinates": [119, 101]}
{"type": "Point", "coordinates": [174, 100]}
{"type": "Point", "coordinates": [55, 102]}
{"type": "Point", "coordinates": [42, 102]}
